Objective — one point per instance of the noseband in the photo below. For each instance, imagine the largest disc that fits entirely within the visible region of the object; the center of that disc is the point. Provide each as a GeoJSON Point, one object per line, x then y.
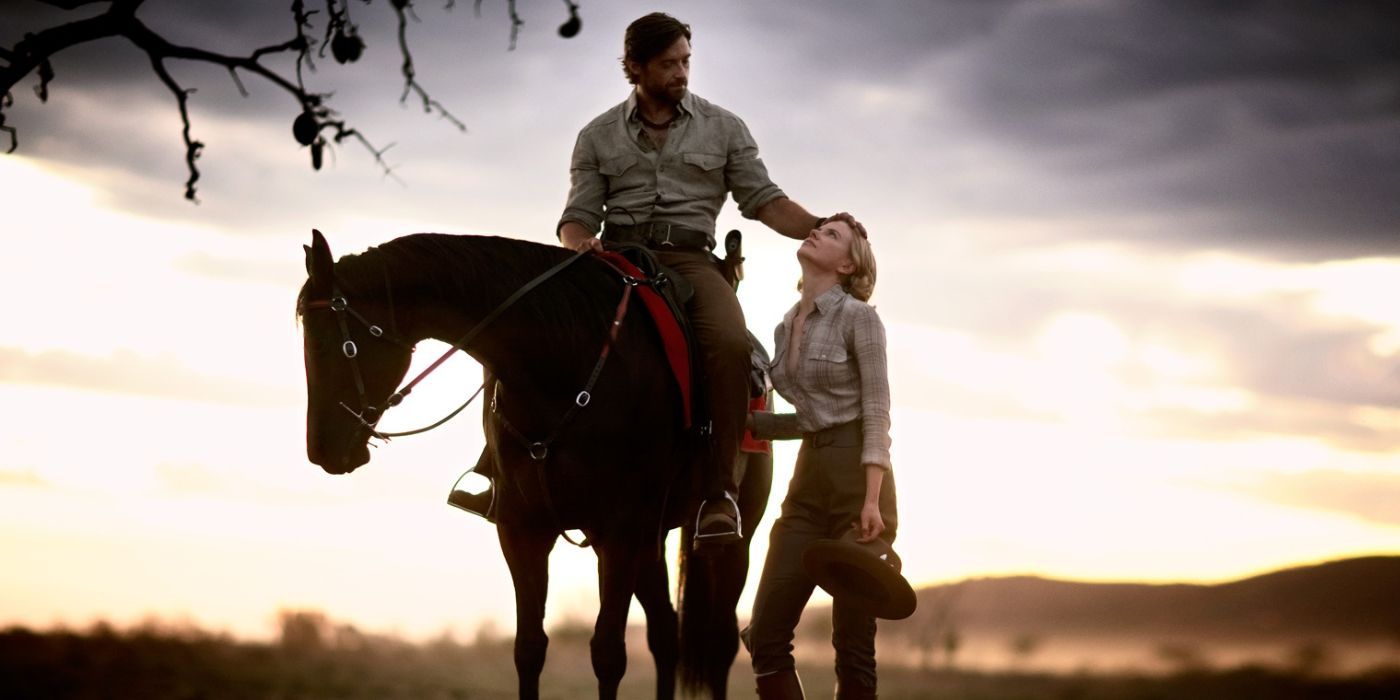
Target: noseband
{"type": "Point", "coordinates": [369, 414]}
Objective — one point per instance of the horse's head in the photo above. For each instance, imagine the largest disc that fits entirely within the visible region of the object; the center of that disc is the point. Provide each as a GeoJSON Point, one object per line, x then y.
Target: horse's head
{"type": "Point", "coordinates": [352, 364]}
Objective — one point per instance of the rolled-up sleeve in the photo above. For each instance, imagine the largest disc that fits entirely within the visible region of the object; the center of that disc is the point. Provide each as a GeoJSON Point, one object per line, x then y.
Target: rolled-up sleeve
{"type": "Point", "coordinates": [588, 188]}
{"type": "Point", "coordinates": [745, 173]}
{"type": "Point", "coordinates": [775, 426]}
{"type": "Point", "coordinates": [868, 334]}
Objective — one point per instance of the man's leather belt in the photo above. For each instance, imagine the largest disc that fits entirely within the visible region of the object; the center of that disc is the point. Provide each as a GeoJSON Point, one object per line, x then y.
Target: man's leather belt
{"type": "Point", "coordinates": [657, 235]}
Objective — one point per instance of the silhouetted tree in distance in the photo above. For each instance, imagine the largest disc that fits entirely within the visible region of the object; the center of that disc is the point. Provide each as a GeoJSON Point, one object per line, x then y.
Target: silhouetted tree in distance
{"type": "Point", "coordinates": [315, 120]}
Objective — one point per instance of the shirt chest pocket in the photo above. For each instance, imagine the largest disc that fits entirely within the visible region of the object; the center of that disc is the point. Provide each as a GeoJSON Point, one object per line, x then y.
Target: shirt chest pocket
{"type": "Point", "coordinates": [707, 168]}
{"type": "Point", "coordinates": [826, 364]}
{"type": "Point", "coordinates": [615, 168]}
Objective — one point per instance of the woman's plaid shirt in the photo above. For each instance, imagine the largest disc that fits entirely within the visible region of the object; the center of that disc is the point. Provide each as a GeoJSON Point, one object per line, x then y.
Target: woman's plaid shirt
{"type": "Point", "coordinates": [841, 375]}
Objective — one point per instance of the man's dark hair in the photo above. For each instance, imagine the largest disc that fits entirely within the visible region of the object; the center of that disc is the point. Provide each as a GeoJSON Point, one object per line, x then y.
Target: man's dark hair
{"type": "Point", "coordinates": [647, 37]}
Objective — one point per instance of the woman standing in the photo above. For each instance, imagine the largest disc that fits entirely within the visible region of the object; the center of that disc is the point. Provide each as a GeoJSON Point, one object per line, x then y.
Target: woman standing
{"type": "Point", "coordinates": [829, 363]}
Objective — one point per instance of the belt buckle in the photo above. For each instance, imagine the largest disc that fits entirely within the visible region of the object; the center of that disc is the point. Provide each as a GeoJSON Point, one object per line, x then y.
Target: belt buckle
{"type": "Point", "coordinates": [667, 242]}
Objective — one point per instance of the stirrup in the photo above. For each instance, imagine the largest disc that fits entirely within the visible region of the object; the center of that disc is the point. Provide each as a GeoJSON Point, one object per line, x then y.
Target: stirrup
{"type": "Point", "coordinates": [719, 538]}
{"type": "Point", "coordinates": [481, 503]}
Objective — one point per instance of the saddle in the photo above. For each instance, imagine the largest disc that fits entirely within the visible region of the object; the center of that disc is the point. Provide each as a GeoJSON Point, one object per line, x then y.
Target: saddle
{"type": "Point", "coordinates": [665, 293]}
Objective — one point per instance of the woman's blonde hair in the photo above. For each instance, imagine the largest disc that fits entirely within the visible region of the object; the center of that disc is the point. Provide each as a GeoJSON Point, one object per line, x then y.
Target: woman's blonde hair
{"type": "Point", "coordinates": [861, 282]}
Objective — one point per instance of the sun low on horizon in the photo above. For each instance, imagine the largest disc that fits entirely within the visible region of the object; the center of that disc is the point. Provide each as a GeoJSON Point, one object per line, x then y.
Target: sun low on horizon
{"type": "Point", "coordinates": [1115, 355]}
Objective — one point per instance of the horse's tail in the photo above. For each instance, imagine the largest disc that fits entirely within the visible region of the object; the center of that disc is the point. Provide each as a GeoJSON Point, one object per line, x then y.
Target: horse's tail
{"type": "Point", "coordinates": [709, 626]}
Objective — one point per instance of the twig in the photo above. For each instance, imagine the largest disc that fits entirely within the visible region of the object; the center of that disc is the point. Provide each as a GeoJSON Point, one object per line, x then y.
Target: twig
{"type": "Point", "coordinates": [239, 83]}
{"type": "Point", "coordinates": [343, 132]}
{"type": "Point", "coordinates": [192, 148]}
{"type": "Point", "coordinates": [410, 82]}
{"type": "Point", "coordinates": [515, 24]}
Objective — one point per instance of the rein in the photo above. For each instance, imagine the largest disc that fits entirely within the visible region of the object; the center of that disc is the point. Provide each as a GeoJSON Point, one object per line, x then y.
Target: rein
{"type": "Point", "coordinates": [369, 415]}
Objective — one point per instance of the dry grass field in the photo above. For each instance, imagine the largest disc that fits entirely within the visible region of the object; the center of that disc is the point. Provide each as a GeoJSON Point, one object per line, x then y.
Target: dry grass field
{"type": "Point", "coordinates": [314, 658]}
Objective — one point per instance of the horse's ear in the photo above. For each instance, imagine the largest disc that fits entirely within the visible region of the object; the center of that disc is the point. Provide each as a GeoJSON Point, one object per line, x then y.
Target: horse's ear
{"type": "Point", "coordinates": [318, 260]}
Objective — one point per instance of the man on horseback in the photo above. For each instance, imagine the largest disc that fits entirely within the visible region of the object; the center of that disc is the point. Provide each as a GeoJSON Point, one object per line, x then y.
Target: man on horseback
{"type": "Point", "coordinates": [655, 171]}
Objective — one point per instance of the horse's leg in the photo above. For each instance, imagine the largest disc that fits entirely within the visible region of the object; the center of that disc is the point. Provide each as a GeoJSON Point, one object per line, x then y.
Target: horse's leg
{"type": "Point", "coordinates": [527, 555]}
{"type": "Point", "coordinates": [711, 589]}
{"type": "Point", "coordinates": [654, 593]}
{"type": "Point", "coordinates": [618, 563]}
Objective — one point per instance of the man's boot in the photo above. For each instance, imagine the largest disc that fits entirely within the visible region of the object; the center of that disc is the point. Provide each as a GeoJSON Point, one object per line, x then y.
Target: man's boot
{"type": "Point", "coordinates": [482, 503]}
{"type": "Point", "coordinates": [717, 523]}
{"type": "Point", "coordinates": [783, 685]}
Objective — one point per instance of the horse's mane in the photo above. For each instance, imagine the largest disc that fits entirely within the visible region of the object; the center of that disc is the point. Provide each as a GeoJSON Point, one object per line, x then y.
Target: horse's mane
{"type": "Point", "coordinates": [474, 269]}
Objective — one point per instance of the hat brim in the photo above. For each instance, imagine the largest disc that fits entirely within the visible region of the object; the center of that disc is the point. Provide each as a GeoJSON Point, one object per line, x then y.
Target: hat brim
{"type": "Point", "coordinates": [856, 576]}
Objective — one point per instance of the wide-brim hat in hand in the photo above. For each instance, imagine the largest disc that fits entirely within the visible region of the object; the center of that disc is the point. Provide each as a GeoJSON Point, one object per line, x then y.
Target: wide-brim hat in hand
{"type": "Point", "coordinates": [863, 575]}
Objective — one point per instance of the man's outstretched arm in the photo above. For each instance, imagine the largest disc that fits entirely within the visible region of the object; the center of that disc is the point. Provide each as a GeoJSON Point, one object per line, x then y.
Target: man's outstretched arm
{"type": "Point", "coordinates": [788, 218]}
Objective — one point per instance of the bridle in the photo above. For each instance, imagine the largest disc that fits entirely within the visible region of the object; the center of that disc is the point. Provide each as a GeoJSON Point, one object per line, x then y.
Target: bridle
{"type": "Point", "coordinates": [369, 414]}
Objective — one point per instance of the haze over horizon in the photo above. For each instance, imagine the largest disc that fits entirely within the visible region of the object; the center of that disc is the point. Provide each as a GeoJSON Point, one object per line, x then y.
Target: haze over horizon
{"type": "Point", "coordinates": [1138, 265]}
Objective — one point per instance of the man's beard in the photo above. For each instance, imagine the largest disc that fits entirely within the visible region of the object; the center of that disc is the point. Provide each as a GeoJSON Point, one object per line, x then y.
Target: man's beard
{"type": "Point", "coordinates": [666, 94]}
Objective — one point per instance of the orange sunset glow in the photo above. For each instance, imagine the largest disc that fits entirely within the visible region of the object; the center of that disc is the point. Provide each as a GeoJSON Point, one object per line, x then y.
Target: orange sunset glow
{"type": "Point", "coordinates": [1141, 316]}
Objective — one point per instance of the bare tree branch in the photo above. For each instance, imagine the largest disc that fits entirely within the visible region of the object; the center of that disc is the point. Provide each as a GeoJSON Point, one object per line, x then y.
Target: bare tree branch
{"type": "Point", "coordinates": [158, 48]}
{"type": "Point", "coordinates": [192, 148]}
{"type": "Point", "coordinates": [32, 53]}
{"type": "Point", "coordinates": [71, 4]}
{"type": "Point", "coordinates": [403, 7]}
{"type": "Point", "coordinates": [343, 132]}
{"type": "Point", "coordinates": [515, 24]}
{"type": "Point", "coordinates": [34, 49]}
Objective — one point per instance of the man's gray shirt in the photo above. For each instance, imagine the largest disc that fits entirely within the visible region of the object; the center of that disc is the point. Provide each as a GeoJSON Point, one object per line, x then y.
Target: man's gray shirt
{"type": "Point", "coordinates": [616, 172]}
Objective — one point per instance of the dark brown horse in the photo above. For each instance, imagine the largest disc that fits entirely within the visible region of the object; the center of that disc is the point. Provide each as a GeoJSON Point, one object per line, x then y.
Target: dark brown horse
{"type": "Point", "coordinates": [615, 464]}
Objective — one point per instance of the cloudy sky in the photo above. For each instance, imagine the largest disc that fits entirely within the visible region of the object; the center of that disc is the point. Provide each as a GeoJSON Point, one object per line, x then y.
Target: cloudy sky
{"type": "Point", "coordinates": [1138, 264]}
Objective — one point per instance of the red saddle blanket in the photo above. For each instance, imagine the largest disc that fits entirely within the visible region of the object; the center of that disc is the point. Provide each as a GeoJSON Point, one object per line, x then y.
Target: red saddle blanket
{"type": "Point", "coordinates": [751, 443]}
{"type": "Point", "coordinates": [672, 336]}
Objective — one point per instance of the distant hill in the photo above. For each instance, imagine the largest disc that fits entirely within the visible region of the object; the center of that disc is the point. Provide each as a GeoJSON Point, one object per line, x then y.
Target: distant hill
{"type": "Point", "coordinates": [1348, 603]}
{"type": "Point", "coordinates": [1353, 598]}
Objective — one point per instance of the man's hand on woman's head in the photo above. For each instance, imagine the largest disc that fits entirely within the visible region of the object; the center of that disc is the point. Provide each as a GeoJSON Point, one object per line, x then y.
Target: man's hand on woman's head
{"type": "Point", "coordinates": [850, 220]}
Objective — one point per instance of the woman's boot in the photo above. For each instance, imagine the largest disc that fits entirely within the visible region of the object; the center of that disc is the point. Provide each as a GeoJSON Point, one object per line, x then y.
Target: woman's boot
{"type": "Point", "coordinates": [853, 692]}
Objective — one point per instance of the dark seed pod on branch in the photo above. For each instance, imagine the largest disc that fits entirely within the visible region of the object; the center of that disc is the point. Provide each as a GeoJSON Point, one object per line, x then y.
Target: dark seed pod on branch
{"type": "Point", "coordinates": [569, 29]}
{"type": "Point", "coordinates": [346, 48]}
{"type": "Point", "coordinates": [316, 149]}
{"type": "Point", "coordinates": [305, 128]}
